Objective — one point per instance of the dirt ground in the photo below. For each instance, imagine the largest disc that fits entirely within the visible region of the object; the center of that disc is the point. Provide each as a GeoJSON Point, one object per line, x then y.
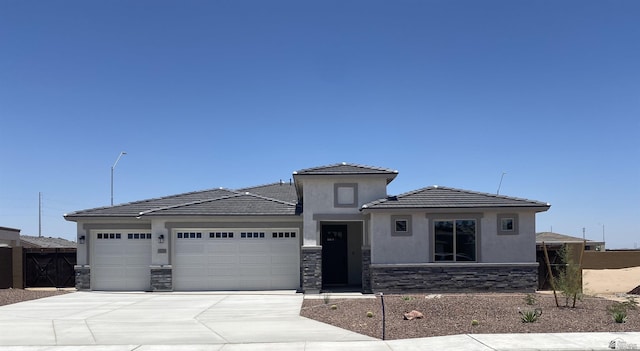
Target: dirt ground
{"type": "Point", "coordinates": [607, 282]}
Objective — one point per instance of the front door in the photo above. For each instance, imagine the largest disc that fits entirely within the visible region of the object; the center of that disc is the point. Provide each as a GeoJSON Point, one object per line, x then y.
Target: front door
{"type": "Point", "coordinates": [334, 255]}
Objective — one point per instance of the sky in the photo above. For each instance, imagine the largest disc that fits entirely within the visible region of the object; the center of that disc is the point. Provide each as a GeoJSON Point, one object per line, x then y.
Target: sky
{"type": "Point", "coordinates": [207, 94]}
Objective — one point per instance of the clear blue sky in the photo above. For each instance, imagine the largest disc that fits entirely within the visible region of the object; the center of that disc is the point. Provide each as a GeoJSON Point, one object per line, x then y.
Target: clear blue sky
{"type": "Point", "coordinates": [205, 94]}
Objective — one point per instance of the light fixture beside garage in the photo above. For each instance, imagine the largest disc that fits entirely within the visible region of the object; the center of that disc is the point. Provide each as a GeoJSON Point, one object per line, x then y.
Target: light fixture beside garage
{"type": "Point", "coordinates": [161, 239]}
{"type": "Point", "coordinates": [81, 239]}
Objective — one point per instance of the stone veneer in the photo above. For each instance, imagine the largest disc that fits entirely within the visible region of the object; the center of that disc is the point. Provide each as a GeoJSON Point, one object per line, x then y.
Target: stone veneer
{"type": "Point", "coordinates": [161, 278]}
{"type": "Point", "coordinates": [83, 277]}
{"type": "Point", "coordinates": [311, 269]}
{"type": "Point", "coordinates": [366, 270]}
{"type": "Point", "coordinates": [454, 277]}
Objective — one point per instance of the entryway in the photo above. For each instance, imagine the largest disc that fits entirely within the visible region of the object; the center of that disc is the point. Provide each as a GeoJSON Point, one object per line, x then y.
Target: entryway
{"type": "Point", "coordinates": [341, 256]}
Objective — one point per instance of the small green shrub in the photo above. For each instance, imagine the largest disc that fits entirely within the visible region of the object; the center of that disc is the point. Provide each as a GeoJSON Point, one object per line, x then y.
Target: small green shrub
{"type": "Point", "coordinates": [407, 298]}
{"type": "Point", "coordinates": [619, 310]}
{"type": "Point", "coordinates": [334, 307]}
{"type": "Point", "coordinates": [475, 322]}
{"type": "Point", "coordinates": [619, 316]}
{"type": "Point", "coordinates": [530, 316]}
{"type": "Point", "coordinates": [369, 314]}
{"type": "Point", "coordinates": [530, 299]}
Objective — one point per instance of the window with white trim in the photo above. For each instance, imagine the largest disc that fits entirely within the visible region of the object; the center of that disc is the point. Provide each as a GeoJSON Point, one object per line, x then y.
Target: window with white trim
{"type": "Point", "coordinates": [507, 223]}
{"type": "Point", "coordinates": [400, 225]}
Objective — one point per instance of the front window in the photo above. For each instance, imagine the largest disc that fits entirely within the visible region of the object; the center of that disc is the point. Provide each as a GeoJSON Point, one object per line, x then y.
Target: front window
{"type": "Point", "coordinates": [455, 240]}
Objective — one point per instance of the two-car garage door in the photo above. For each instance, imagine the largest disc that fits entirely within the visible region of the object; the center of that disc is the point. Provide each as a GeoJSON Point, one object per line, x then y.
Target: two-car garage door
{"type": "Point", "coordinates": [236, 259]}
{"type": "Point", "coordinates": [211, 259]}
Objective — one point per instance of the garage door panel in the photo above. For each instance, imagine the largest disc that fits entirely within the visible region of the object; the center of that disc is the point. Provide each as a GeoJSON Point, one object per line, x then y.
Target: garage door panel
{"type": "Point", "coordinates": [119, 263]}
{"type": "Point", "coordinates": [253, 261]}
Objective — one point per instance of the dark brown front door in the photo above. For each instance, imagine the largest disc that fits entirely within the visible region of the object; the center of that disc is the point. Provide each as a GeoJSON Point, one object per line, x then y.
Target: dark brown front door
{"type": "Point", "coordinates": [334, 254]}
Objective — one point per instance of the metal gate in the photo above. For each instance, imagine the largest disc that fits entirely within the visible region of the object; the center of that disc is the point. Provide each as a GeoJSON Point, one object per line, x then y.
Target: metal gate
{"type": "Point", "coordinates": [49, 268]}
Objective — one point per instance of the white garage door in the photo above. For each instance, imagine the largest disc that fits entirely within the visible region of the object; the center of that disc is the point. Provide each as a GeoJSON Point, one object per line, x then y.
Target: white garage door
{"type": "Point", "coordinates": [240, 259]}
{"type": "Point", "coordinates": [121, 260]}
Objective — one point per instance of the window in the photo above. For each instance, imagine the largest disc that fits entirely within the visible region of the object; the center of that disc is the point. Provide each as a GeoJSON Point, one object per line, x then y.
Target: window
{"type": "Point", "coordinates": [455, 240]}
{"type": "Point", "coordinates": [400, 225]}
{"type": "Point", "coordinates": [345, 195]}
{"type": "Point", "coordinates": [507, 224]}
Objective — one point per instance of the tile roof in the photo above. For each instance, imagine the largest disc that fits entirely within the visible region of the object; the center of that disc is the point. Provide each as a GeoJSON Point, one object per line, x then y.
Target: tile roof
{"type": "Point", "coordinates": [345, 168]}
{"type": "Point", "coordinates": [549, 237]}
{"type": "Point", "coordinates": [45, 242]}
{"type": "Point", "coordinates": [133, 209]}
{"type": "Point", "coordinates": [284, 191]}
{"type": "Point", "coordinates": [238, 204]}
{"type": "Point", "coordinates": [444, 197]}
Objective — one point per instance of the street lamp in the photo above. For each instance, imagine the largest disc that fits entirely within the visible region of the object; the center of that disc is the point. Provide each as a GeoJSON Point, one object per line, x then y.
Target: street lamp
{"type": "Point", "coordinates": [112, 168]}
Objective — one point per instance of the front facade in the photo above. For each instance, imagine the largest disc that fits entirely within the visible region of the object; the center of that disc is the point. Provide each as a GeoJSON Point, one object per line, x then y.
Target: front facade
{"type": "Point", "coordinates": [331, 227]}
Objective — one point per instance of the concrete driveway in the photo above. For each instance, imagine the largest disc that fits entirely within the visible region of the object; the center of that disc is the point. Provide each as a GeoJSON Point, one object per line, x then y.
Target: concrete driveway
{"type": "Point", "coordinates": [96, 318]}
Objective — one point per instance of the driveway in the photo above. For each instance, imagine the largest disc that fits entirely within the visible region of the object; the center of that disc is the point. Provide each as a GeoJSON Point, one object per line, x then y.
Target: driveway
{"type": "Point", "coordinates": [97, 318]}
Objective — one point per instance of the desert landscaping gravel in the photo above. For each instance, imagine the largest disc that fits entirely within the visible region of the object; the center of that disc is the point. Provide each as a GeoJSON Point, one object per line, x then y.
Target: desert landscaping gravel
{"type": "Point", "coordinates": [453, 314]}
{"type": "Point", "coordinates": [9, 296]}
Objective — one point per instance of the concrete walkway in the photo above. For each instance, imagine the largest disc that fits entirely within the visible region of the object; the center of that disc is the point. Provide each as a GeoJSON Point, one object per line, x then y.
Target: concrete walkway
{"type": "Point", "coordinates": [240, 321]}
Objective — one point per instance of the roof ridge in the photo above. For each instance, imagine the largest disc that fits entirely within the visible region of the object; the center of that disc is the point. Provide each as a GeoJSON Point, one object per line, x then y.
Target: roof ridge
{"type": "Point", "coordinates": [263, 185]}
{"type": "Point", "coordinates": [486, 194]}
{"type": "Point", "coordinates": [347, 164]}
{"type": "Point", "coordinates": [235, 194]}
{"type": "Point", "coordinates": [149, 200]}
{"type": "Point", "coordinates": [197, 202]}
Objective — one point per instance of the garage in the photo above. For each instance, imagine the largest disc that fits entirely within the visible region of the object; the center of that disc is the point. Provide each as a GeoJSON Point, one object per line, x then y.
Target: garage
{"type": "Point", "coordinates": [236, 259]}
{"type": "Point", "coordinates": [121, 260]}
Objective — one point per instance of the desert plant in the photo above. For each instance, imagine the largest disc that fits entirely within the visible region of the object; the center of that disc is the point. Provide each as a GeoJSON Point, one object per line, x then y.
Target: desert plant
{"type": "Point", "coordinates": [619, 310]}
{"type": "Point", "coordinates": [474, 322]}
{"type": "Point", "coordinates": [369, 314]}
{"type": "Point", "coordinates": [530, 299]}
{"type": "Point", "coordinates": [407, 298]}
{"type": "Point", "coordinates": [569, 279]}
{"type": "Point", "coordinates": [619, 316]}
{"type": "Point", "coordinates": [530, 316]}
{"type": "Point", "coordinates": [334, 307]}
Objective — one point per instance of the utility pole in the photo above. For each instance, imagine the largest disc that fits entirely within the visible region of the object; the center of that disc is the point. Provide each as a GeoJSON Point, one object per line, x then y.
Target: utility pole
{"type": "Point", "coordinates": [39, 214]}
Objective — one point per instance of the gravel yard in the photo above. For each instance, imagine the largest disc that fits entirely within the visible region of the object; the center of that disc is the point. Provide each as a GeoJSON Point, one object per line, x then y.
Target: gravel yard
{"type": "Point", "coordinates": [453, 314]}
{"type": "Point", "coordinates": [9, 296]}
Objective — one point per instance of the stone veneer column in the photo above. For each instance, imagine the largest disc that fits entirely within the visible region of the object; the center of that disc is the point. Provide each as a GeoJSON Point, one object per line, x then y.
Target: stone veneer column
{"type": "Point", "coordinates": [366, 270]}
{"type": "Point", "coordinates": [83, 277]}
{"type": "Point", "coordinates": [311, 269]}
{"type": "Point", "coordinates": [161, 278]}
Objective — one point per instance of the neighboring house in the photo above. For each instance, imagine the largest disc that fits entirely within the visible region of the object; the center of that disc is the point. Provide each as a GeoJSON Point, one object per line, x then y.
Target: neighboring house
{"type": "Point", "coordinates": [9, 237]}
{"type": "Point", "coordinates": [41, 242]}
{"type": "Point", "coordinates": [332, 227]}
{"type": "Point", "coordinates": [48, 262]}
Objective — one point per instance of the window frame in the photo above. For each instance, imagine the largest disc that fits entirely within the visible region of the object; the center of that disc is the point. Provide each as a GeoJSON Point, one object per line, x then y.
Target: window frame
{"type": "Point", "coordinates": [505, 216]}
{"type": "Point", "coordinates": [409, 226]}
{"type": "Point", "coordinates": [432, 218]}
{"type": "Point", "coordinates": [336, 192]}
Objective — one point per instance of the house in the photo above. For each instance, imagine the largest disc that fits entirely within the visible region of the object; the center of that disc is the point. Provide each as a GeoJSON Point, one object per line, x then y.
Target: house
{"type": "Point", "coordinates": [48, 262]}
{"type": "Point", "coordinates": [330, 227]}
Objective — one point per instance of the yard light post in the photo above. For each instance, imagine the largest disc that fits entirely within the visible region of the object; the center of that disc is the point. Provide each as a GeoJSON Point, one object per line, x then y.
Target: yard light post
{"type": "Point", "coordinates": [112, 168]}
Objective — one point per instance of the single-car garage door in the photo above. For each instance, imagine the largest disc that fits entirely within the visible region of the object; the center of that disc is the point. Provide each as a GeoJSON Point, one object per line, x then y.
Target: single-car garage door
{"type": "Point", "coordinates": [236, 259]}
{"type": "Point", "coordinates": [121, 260]}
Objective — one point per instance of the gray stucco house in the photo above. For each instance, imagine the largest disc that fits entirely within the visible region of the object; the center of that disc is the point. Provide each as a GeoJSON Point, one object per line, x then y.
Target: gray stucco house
{"type": "Point", "coordinates": [330, 227]}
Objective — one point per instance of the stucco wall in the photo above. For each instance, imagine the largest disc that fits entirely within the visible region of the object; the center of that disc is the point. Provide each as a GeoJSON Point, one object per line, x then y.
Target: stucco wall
{"type": "Point", "coordinates": [319, 199]}
{"type": "Point", "coordinates": [415, 248]}
{"type": "Point", "coordinates": [502, 248]}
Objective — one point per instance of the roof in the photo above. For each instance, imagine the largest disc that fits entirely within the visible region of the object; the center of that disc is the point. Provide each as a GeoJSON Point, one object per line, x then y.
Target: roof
{"type": "Point", "coordinates": [284, 191]}
{"type": "Point", "coordinates": [133, 209]}
{"type": "Point", "coordinates": [44, 242]}
{"type": "Point", "coordinates": [10, 229]}
{"type": "Point", "coordinates": [550, 238]}
{"type": "Point", "coordinates": [444, 197]}
{"type": "Point", "coordinates": [348, 169]}
{"type": "Point", "coordinates": [237, 204]}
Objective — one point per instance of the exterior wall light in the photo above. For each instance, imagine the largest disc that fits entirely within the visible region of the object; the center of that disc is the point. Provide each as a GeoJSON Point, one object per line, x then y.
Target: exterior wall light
{"type": "Point", "coordinates": [81, 239]}
{"type": "Point", "coordinates": [161, 239]}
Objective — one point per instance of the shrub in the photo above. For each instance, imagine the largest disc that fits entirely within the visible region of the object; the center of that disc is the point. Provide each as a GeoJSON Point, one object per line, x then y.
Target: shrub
{"type": "Point", "coordinates": [530, 316]}
{"type": "Point", "coordinates": [619, 316]}
{"type": "Point", "coordinates": [334, 307]}
{"type": "Point", "coordinates": [530, 299]}
{"type": "Point", "coordinates": [619, 310]}
{"type": "Point", "coordinates": [569, 280]}
{"type": "Point", "coordinates": [369, 314]}
{"type": "Point", "coordinates": [475, 322]}
{"type": "Point", "coordinates": [407, 298]}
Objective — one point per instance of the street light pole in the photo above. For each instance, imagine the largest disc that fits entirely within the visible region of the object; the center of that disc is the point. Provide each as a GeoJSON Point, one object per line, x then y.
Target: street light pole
{"type": "Point", "coordinates": [112, 168]}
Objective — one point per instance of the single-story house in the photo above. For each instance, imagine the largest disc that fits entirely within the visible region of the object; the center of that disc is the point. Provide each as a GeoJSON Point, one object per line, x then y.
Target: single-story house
{"type": "Point", "coordinates": [330, 227]}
